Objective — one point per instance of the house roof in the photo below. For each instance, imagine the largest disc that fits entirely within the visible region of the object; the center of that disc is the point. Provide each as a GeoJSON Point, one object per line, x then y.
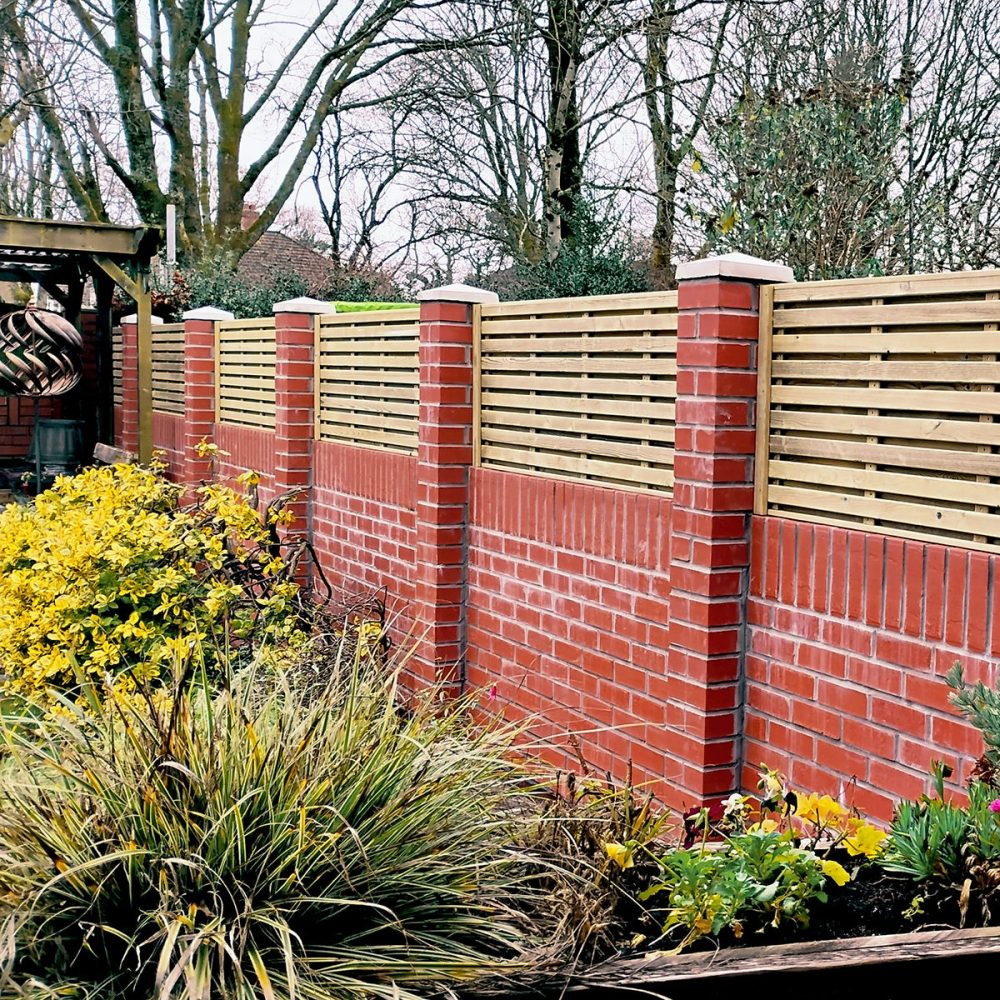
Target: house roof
{"type": "Point", "coordinates": [276, 252]}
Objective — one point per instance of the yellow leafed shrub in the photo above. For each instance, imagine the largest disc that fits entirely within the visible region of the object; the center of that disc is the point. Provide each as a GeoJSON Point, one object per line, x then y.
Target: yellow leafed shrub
{"type": "Point", "coordinates": [109, 572]}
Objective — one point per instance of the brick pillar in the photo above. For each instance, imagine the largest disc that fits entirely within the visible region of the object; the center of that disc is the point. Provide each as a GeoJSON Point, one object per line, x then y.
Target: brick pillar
{"type": "Point", "coordinates": [130, 383]}
{"type": "Point", "coordinates": [444, 458]}
{"type": "Point", "coordinates": [199, 389]}
{"type": "Point", "coordinates": [717, 301]}
{"type": "Point", "coordinates": [294, 411]}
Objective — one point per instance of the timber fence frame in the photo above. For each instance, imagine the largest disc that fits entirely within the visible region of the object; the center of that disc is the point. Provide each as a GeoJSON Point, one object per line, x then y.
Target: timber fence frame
{"type": "Point", "coordinates": [878, 409]}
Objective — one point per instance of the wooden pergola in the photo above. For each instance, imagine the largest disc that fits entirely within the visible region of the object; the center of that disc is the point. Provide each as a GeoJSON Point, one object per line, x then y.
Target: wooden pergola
{"type": "Point", "coordinates": [61, 256]}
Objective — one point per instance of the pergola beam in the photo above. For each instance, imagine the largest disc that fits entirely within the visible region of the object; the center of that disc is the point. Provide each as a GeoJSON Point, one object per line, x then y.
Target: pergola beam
{"type": "Point", "coordinates": [55, 253]}
{"type": "Point", "coordinates": [72, 237]}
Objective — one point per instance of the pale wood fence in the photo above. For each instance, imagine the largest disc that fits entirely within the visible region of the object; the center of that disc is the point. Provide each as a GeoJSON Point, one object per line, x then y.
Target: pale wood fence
{"type": "Point", "coordinates": [579, 388]}
{"type": "Point", "coordinates": [244, 372]}
{"type": "Point", "coordinates": [367, 375]}
{"type": "Point", "coordinates": [168, 368]}
{"type": "Point", "coordinates": [878, 405]}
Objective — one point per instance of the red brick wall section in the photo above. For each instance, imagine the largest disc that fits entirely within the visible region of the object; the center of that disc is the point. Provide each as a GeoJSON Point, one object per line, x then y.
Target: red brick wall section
{"type": "Point", "coordinates": [17, 422]}
{"type": "Point", "coordinates": [242, 449]}
{"type": "Point", "coordinates": [850, 635]}
{"type": "Point", "coordinates": [363, 520]}
{"type": "Point", "coordinates": [168, 439]}
{"type": "Point", "coordinates": [710, 540]}
{"type": "Point", "coordinates": [568, 621]}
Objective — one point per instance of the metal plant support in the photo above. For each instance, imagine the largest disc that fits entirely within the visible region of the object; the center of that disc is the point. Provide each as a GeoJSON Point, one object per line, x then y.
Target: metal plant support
{"type": "Point", "coordinates": [40, 355]}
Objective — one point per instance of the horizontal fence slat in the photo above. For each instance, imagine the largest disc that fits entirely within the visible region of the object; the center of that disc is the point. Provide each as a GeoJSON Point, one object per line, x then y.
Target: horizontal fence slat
{"type": "Point", "coordinates": [616, 365]}
{"type": "Point", "coordinates": [662, 389]}
{"type": "Point", "coordinates": [917, 342]}
{"type": "Point", "coordinates": [659, 301]}
{"type": "Point", "coordinates": [978, 372]}
{"type": "Point", "coordinates": [893, 456]}
{"type": "Point", "coordinates": [902, 484]}
{"type": "Point", "coordinates": [926, 515]}
{"type": "Point", "coordinates": [920, 400]}
{"type": "Point", "coordinates": [592, 427]}
{"type": "Point", "coordinates": [608, 472]}
{"type": "Point", "coordinates": [895, 314]}
{"type": "Point", "coordinates": [909, 286]}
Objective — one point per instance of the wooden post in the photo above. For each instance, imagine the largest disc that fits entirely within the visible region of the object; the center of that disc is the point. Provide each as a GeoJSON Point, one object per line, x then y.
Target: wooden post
{"type": "Point", "coordinates": [144, 337]}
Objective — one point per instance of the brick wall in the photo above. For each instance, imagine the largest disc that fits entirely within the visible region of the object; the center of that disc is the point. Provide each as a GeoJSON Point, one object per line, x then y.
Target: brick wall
{"type": "Point", "coordinates": [568, 605]}
{"type": "Point", "coordinates": [850, 635]}
{"type": "Point", "coordinates": [168, 438]}
{"type": "Point", "coordinates": [680, 633]}
{"type": "Point", "coordinates": [363, 524]}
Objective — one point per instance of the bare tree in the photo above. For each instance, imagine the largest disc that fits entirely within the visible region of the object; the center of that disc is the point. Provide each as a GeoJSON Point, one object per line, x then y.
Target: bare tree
{"type": "Point", "coordinates": [861, 137]}
{"type": "Point", "coordinates": [189, 73]}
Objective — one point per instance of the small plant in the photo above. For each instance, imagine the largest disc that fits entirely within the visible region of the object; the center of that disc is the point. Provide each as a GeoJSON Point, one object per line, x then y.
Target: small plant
{"type": "Point", "coordinates": [755, 880]}
{"type": "Point", "coordinates": [981, 706]}
{"type": "Point", "coordinates": [760, 863]}
{"type": "Point", "coordinates": [952, 850]}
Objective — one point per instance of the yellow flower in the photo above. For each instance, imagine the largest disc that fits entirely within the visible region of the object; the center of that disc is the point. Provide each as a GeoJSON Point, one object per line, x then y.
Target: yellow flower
{"type": "Point", "coordinates": [824, 811]}
{"type": "Point", "coordinates": [836, 871]}
{"type": "Point", "coordinates": [764, 826]}
{"type": "Point", "coordinates": [620, 854]}
{"type": "Point", "coordinates": [866, 840]}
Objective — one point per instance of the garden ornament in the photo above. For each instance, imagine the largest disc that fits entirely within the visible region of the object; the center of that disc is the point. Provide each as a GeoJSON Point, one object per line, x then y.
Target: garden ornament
{"type": "Point", "coordinates": [40, 355]}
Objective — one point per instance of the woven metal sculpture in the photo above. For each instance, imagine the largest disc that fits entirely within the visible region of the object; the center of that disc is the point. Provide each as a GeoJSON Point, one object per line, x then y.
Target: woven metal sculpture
{"type": "Point", "coordinates": [40, 353]}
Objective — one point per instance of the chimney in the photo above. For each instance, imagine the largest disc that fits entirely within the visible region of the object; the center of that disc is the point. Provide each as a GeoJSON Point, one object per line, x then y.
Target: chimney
{"type": "Point", "coordinates": [250, 216]}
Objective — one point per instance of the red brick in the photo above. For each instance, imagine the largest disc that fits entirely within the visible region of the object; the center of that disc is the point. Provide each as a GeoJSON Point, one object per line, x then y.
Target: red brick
{"type": "Point", "coordinates": [710, 293]}
{"type": "Point", "coordinates": [816, 720]}
{"type": "Point", "coordinates": [856, 552]}
{"type": "Point", "coordinates": [875, 740]}
{"type": "Point", "coordinates": [900, 717]}
{"type": "Point", "coordinates": [957, 597]}
{"type": "Point", "coordinates": [933, 625]}
{"type": "Point", "coordinates": [913, 589]}
{"type": "Point", "coordinates": [904, 652]}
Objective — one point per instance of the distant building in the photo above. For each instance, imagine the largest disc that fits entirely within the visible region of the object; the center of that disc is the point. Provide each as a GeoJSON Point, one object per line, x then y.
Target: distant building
{"type": "Point", "coordinates": [275, 253]}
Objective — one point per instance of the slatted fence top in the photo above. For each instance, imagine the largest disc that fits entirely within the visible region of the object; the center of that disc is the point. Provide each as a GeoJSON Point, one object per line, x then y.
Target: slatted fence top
{"type": "Point", "coordinates": [881, 409]}
{"type": "Point", "coordinates": [367, 378]}
{"type": "Point", "coordinates": [168, 368]}
{"type": "Point", "coordinates": [244, 366]}
{"type": "Point", "coordinates": [582, 388]}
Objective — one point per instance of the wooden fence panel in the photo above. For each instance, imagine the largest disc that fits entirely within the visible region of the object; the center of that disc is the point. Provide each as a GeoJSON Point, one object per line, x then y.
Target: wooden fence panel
{"type": "Point", "coordinates": [367, 379]}
{"type": "Point", "coordinates": [168, 368]}
{"type": "Point", "coordinates": [879, 408]}
{"type": "Point", "coordinates": [580, 388]}
{"type": "Point", "coordinates": [244, 370]}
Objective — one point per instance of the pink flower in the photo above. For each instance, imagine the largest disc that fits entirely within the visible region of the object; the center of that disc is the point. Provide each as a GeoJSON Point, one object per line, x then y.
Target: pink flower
{"type": "Point", "coordinates": [995, 806]}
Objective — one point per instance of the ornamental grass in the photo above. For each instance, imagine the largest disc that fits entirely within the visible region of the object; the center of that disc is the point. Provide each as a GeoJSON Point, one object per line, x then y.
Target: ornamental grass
{"type": "Point", "coordinates": [262, 841]}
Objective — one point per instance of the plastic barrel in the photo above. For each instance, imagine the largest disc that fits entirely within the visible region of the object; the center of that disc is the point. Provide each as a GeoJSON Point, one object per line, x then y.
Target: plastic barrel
{"type": "Point", "coordinates": [60, 441]}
